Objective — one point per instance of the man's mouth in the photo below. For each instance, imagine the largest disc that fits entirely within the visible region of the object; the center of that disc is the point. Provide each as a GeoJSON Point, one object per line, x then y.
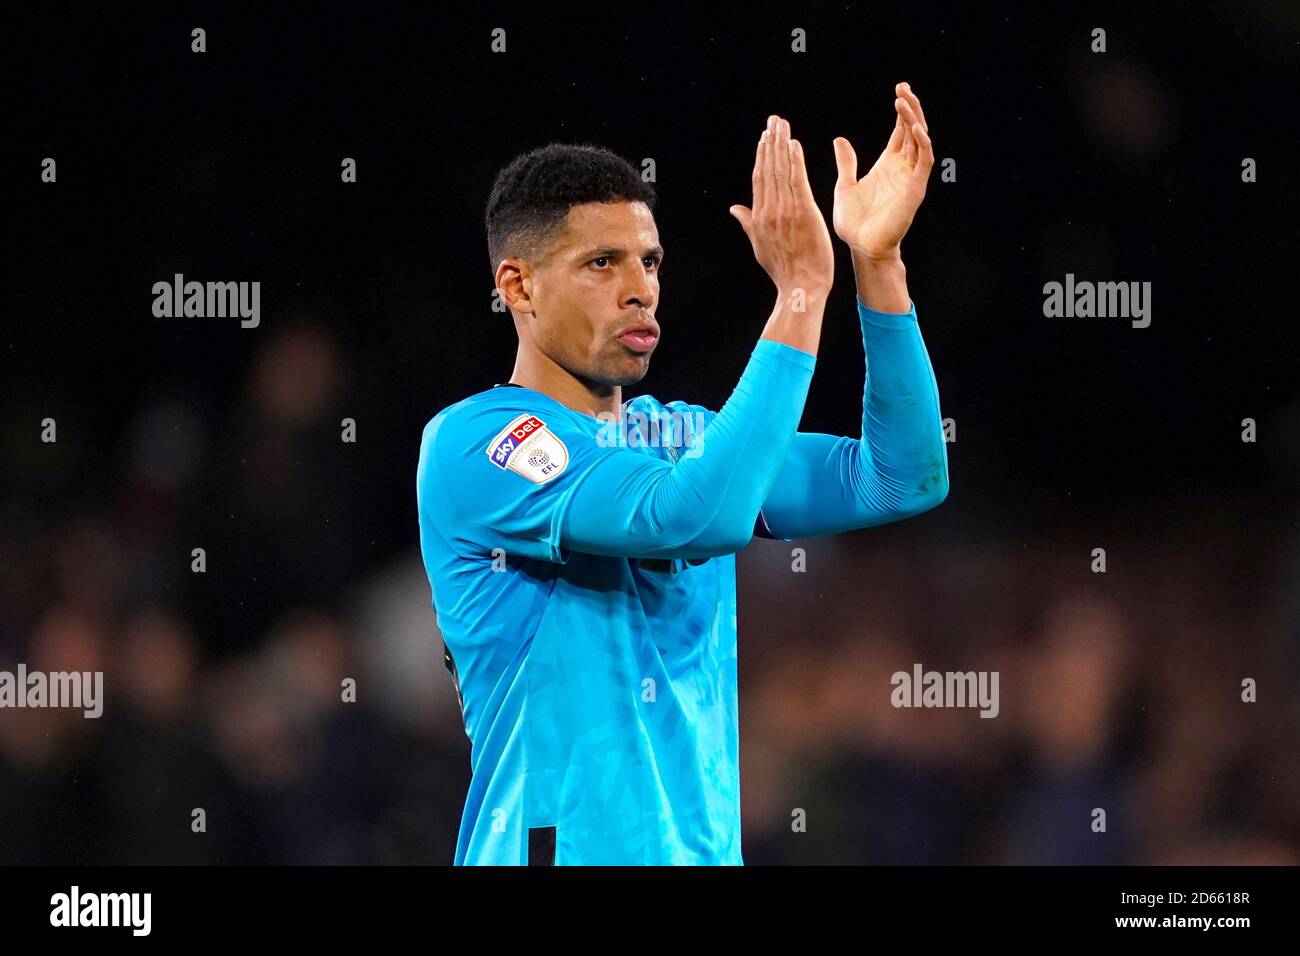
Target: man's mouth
{"type": "Point", "coordinates": [641, 337]}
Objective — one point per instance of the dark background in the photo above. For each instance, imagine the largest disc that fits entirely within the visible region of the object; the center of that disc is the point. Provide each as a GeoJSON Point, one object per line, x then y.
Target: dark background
{"type": "Point", "coordinates": [1120, 689]}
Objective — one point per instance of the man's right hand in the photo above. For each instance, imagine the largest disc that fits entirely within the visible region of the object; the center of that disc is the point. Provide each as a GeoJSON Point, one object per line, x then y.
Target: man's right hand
{"type": "Point", "coordinates": [785, 226]}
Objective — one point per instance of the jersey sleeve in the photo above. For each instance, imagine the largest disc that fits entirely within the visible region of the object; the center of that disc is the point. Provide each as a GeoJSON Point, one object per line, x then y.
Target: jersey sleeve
{"type": "Point", "coordinates": [506, 474]}
{"type": "Point", "coordinates": [899, 466]}
{"type": "Point", "coordinates": [695, 421]}
{"type": "Point", "coordinates": [477, 485]}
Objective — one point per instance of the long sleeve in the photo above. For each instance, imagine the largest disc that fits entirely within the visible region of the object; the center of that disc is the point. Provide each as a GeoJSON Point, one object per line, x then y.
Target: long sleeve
{"type": "Point", "coordinates": [608, 500]}
{"type": "Point", "coordinates": [899, 466]}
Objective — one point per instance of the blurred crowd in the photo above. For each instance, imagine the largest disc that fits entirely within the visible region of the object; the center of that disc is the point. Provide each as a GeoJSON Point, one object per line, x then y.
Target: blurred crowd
{"type": "Point", "coordinates": [225, 737]}
{"type": "Point", "coordinates": [1119, 691]}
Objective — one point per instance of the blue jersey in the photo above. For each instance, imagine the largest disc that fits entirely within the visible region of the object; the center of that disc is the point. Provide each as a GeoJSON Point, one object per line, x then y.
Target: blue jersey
{"type": "Point", "coordinates": [600, 690]}
{"type": "Point", "coordinates": [584, 577]}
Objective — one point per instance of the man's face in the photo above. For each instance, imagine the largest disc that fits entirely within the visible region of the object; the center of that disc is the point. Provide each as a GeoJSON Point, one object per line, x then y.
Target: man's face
{"type": "Point", "coordinates": [595, 292]}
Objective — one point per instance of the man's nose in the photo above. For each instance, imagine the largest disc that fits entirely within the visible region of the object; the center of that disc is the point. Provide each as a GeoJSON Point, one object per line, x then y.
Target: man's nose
{"type": "Point", "coordinates": [639, 289]}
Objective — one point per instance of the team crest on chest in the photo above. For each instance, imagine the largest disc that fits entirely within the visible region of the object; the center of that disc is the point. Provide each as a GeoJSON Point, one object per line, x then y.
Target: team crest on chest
{"type": "Point", "coordinates": [527, 447]}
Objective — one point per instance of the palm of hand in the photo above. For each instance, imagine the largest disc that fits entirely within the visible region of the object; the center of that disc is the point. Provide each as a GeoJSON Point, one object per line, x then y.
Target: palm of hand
{"type": "Point", "coordinates": [873, 214]}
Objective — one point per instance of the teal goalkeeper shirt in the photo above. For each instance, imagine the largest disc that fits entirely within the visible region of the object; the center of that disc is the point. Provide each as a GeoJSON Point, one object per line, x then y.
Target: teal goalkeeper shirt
{"type": "Point", "coordinates": [584, 578]}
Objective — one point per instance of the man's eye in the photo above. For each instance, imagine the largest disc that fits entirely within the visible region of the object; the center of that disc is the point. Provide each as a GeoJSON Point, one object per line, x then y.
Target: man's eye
{"type": "Point", "coordinates": [651, 262]}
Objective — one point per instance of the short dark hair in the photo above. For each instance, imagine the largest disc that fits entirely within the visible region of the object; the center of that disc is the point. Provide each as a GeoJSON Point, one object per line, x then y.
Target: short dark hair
{"type": "Point", "coordinates": [531, 197]}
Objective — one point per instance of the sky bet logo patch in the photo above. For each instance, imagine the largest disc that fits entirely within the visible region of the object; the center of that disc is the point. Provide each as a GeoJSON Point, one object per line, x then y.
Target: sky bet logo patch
{"type": "Point", "coordinates": [527, 447]}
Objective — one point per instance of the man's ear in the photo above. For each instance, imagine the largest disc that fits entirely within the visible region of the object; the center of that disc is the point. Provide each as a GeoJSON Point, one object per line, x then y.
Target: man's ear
{"type": "Point", "coordinates": [515, 282]}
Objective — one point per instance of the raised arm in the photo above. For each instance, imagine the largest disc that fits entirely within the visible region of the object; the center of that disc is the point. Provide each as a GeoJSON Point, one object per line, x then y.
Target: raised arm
{"type": "Point", "coordinates": [899, 465]}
